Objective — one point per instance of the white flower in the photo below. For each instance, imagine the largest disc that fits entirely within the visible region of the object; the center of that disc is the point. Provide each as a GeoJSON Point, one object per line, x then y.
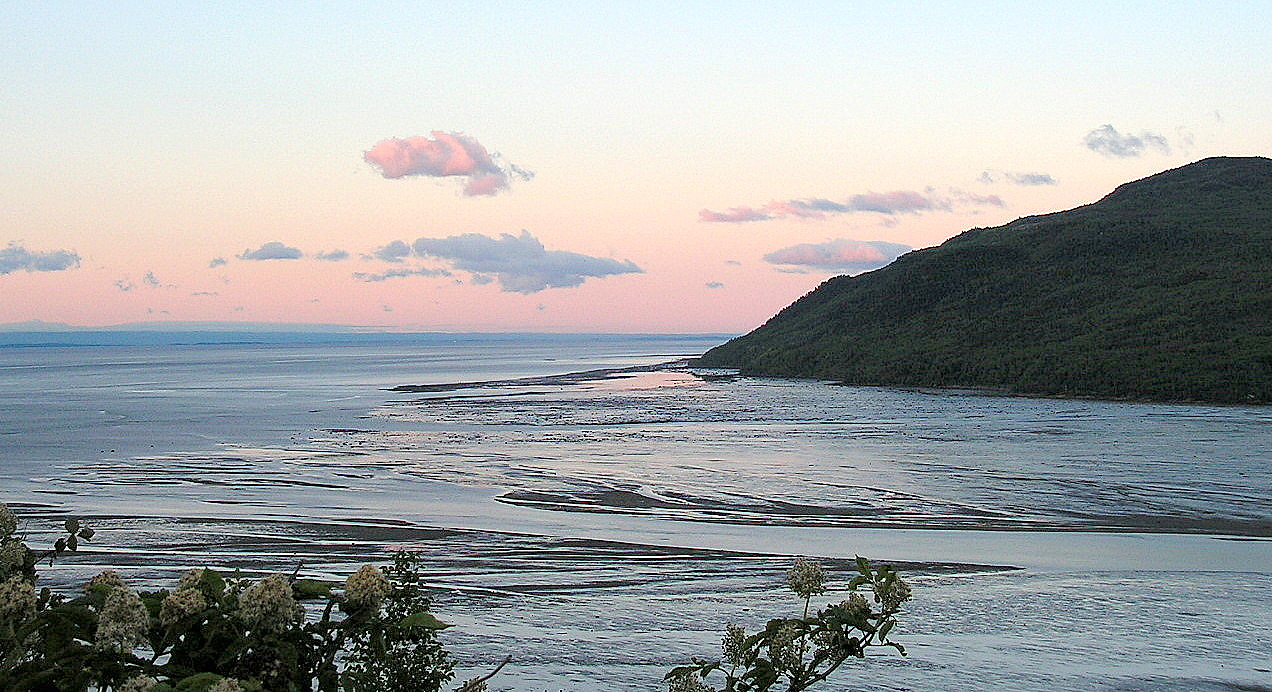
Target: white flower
{"type": "Point", "coordinates": [367, 587]}
{"type": "Point", "coordinates": [226, 685]}
{"type": "Point", "coordinates": [123, 621]}
{"type": "Point", "coordinates": [17, 600]}
{"type": "Point", "coordinates": [141, 683]}
{"type": "Point", "coordinates": [8, 521]}
{"type": "Point", "coordinates": [806, 578]}
{"type": "Point", "coordinates": [268, 605]}
{"type": "Point", "coordinates": [181, 604]}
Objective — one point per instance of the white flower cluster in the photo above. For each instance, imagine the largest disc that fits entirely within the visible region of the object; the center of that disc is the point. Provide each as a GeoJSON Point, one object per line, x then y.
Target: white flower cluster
{"type": "Point", "coordinates": [892, 595]}
{"type": "Point", "coordinates": [191, 580]}
{"type": "Point", "coordinates": [181, 604]}
{"type": "Point", "coordinates": [733, 644]}
{"type": "Point", "coordinates": [783, 653]}
{"type": "Point", "coordinates": [856, 606]}
{"type": "Point", "coordinates": [106, 581]}
{"type": "Point", "coordinates": [123, 621]}
{"type": "Point", "coordinates": [806, 578]}
{"type": "Point", "coordinates": [689, 682]}
{"type": "Point", "coordinates": [367, 587]}
{"type": "Point", "coordinates": [141, 683]}
{"type": "Point", "coordinates": [268, 605]}
{"type": "Point", "coordinates": [8, 521]}
{"type": "Point", "coordinates": [17, 601]}
{"type": "Point", "coordinates": [13, 555]}
{"type": "Point", "coordinates": [226, 685]}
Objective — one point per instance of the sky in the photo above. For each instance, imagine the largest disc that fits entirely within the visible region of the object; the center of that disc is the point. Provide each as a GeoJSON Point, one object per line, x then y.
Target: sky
{"type": "Point", "coordinates": [570, 167]}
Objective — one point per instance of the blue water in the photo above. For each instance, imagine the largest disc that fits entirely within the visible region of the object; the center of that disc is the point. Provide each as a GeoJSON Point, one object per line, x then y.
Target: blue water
{"type": "Point", "coordinates": [603, 529]}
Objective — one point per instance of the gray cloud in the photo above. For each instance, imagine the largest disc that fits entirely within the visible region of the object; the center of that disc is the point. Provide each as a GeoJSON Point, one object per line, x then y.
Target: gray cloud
{"type": "Point", "coordinates": [205, 294]}
{"type": "Point", "coordinates": [714, 284]}
{"type": "Point", "coordinates": [151, 281]}
{"type": "Point", "coordinates": [887, 203]}
{"type": "Point", "coordinates": [333, 256]}
{"type": "Point", "coordinates": [400, 272]}
{"type": "Point", "coordinates": [520, 263]}
{"type": "Point", "coordinates": [272, 250]}
{"type": "Point", "coordinates": [842, 254]}
{"type": "Point", "coordinates": [395, 251]}
{"type": "Point", "coordinates": [14, 257]}
{"type": "Point", "coordinates": [125, 285]}
{"type": "Point", "coordinates": [217, 262]}
{"type": "Point", "coordinates": [989, 177]}
{"type": "Point", "coordinates": [1106, 140]}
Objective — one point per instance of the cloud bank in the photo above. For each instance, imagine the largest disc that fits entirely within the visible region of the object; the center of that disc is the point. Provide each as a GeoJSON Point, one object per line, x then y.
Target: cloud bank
{"type": "Point", "coordinates": [1106, 140]}
{"type": "Point", "coordinates": [272, 250]}
{"type": "Point", "coordinates": [841, 255]}
{"type": "Point", "coordinates": [14, 257]}
{"type": "Point", "coordinates": [444, 155]}
{"type": "Point", "coordinates": [989, 177]}
{"type": "Point", "coordinates": [887, 203]}
{"type": "Point", "coordinates": [519, 263]}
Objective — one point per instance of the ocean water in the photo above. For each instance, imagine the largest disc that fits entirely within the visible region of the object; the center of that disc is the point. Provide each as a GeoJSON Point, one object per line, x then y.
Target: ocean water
{"type": "Point", "coordinates": [603, 527]}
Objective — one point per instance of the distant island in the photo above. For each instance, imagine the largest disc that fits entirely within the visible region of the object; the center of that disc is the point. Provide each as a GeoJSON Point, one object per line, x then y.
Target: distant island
{"type": "Point", "coordinates": [1161, 290]}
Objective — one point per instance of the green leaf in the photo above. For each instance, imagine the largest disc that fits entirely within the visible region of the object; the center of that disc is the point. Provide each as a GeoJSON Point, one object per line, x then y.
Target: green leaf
{"type": "Point", "coordinates": [863, 566]}
{"type": "Point", "coordinates": [311, 589]}
{"type": "Point", "coordinates": [72, 525]}
{"type": "Point", "coordinates": [86, 533]}
{"type": "Point", "coordinates": [72, 542]}
{"type": "Point", "coordinates": [887, 627]}
{"type": "Point", "coordinates": [425, 620]}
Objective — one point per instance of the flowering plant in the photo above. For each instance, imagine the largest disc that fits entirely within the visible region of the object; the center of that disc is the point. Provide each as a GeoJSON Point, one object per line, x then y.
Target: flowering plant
{"type": "Point", "coordinates": [796, 653]}
{"type": "Point", "coordinates": [216, 632]}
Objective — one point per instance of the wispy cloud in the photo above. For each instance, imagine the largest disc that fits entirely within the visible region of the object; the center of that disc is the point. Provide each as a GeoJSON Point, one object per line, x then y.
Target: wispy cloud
{"type": "Point", "coordinates": [841, 254]}
{"type": "Point", "coordinates": [14, 257]}
{"type": "Point", "coordinates": [333, 256]}
{"type": "Point", "coordinates": [714, 284]}
{"type": "Point", "coordinates": [443, 155]}
{"type": "Point", "coordinates": [399, 272]}
{"type": "Point", "coordinates": [217, 262]}
{"type": "Point", "coordinates": [886, 203]}
{"type": "Point", "coordinates": [1106, 140]}
{"type": "Point", "coordinates": [990, 177]}
{"type": "Point", "coordinates": [124, 285]}
{"type": "Point", "coordinates": [272, 250]}
{"type": "Point", "coordinates": [520, 263]}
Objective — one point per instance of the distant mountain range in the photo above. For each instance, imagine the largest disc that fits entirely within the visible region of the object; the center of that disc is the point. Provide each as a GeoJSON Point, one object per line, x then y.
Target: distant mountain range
{"type": "Point", "coordinates": [1162, 290]}
{"type": "Point", "coordinates": [41, 326]}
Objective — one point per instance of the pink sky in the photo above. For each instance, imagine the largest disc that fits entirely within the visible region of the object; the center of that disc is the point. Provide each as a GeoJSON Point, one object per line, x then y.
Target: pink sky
{"type": "Point", "coordinates": [623, 170]}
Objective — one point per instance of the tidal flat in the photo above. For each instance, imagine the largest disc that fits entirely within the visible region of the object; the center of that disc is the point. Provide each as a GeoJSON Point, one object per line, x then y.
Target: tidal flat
{"type": "Point", "coordinates": [601, 528]}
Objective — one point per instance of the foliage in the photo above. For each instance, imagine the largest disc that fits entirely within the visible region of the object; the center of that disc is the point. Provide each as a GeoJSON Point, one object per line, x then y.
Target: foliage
{"type": "Point", "coordinates": [794, 654]}
{"type": "Point", "coordinates": [215, 632]}
{"type": "Point", "coordinates": [1161, 290]}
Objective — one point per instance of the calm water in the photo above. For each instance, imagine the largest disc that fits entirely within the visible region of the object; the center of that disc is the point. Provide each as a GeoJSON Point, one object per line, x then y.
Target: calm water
{"type": "Point", "coordinates": [601, 529]}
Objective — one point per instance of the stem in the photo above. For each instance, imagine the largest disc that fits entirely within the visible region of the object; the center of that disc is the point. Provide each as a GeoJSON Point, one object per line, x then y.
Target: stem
{"type": "Point", "coordinates": [476, 681]}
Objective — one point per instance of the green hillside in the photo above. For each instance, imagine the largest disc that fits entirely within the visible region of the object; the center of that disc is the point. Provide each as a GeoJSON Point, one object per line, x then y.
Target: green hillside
{"type": "Point", "coordinates": [1161, 290]}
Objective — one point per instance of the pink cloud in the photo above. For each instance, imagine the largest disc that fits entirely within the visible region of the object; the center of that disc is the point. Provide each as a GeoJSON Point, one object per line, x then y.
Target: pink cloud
{"type": "Point", "coordinates": [445, 154]}
{"type": "Point", "coordinates": [842, 254]}
{"type": "Point", "coordinates": [734, 215]}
